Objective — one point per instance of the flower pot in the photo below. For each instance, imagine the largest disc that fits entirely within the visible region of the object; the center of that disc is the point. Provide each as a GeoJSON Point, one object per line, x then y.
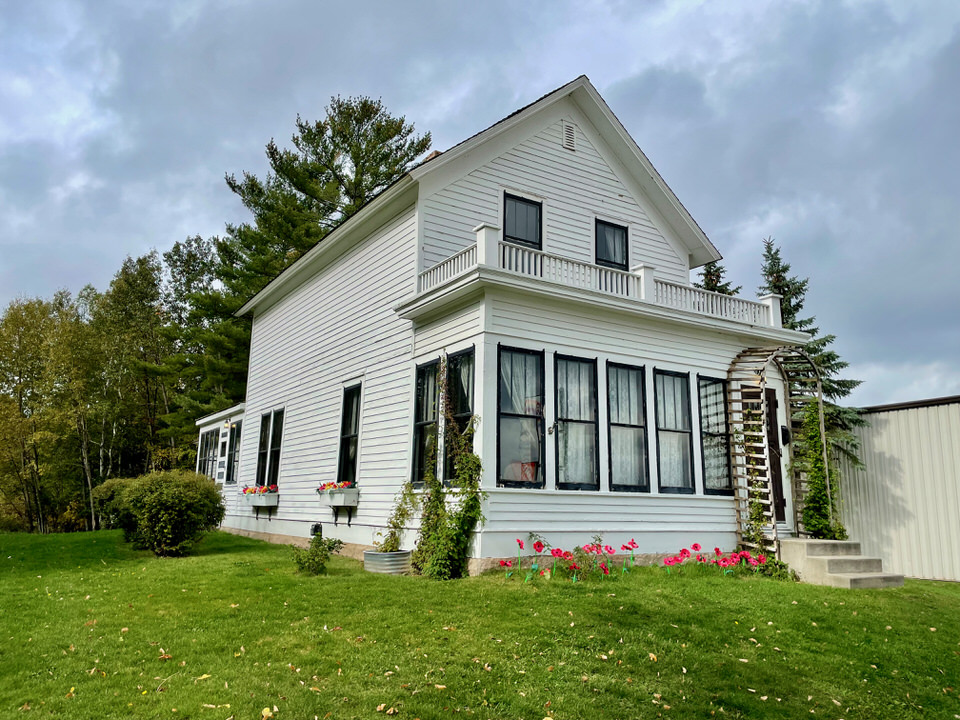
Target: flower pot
{"type": "Point", "coordinates": [388, 563]}
{"type": "Point", "coordinates": [259, 500]}
{"type": "Point", "coordinates": [342, 497]}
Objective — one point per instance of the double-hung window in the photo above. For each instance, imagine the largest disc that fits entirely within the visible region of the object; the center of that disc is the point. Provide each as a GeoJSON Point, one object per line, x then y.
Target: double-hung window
{"type": "Point", "coordinates": [233, 451]}
{"type": "Point", "coordinates": [576, 388]}
{"type": "Point", "coordinates": [714, 435]}
{"type": "Point", "coordinates": [268, 452]}
{"type": "Point", "coordinates": [522, 221]}
{"type": "Point", "coordinates": [520, 419]}
{"type": "Point", "coordinates": [628, 431]}
{"type": "Point", "coordinates": [612, 249]}
{"type": "Point", "coordinates": [349, 435]}
{"type": "Point", "coordinates": [207, 453]}
{"type": "Point", "coordinates": [674, 435]}
{"type": "Point", "coordinates": [460, 402]}
{"type": "Point", "coordinates": [425, 421]}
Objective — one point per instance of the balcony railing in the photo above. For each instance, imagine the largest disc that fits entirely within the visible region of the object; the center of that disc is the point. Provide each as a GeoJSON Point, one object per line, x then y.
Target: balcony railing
{"type": "Point", "coordinates": [638, 286]}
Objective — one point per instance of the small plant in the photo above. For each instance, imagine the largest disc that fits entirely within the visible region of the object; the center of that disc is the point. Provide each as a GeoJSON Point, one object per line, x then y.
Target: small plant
{"type": "Point", "coordinates": [313, 560]}
{"type": "Point", "coordinates": [333, 485]}
{"type": "Point", "coordinates": [403, 508]}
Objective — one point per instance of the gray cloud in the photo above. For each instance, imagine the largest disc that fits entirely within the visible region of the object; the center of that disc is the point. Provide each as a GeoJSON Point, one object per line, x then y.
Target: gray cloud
{"type": "Point", "coordinates": [827, 125]}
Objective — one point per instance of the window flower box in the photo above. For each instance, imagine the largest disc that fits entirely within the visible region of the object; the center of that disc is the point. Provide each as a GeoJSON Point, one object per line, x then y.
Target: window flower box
{"type": "Point", "coordinates": [340, 497]}
{"type": "Point", "coordinates": [260, 496]}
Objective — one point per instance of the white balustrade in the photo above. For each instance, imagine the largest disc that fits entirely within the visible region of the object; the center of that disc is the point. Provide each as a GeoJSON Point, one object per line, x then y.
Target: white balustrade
{"type": "Point", "coordinates": [519, 260]}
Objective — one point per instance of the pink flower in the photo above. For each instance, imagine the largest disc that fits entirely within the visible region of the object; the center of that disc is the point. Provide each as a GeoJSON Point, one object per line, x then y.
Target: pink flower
{"type": "Point", "coordinates": [557, 552]}
{"type": "Point", "coordinates": [761, 559]}
{"type": "Point", "coordinates": [668, 561]}
{"type": "Point", "coordinates": [520, 543]}
{"type": "Point", "coordinates": [684, 553]}
{"type": "Point", "coordinates": [624, 547]}
{"type": "Point", "coordinates": [608, 550]}
{"type": "Point", "coordinates": [695, 547]}
{"type": "Point", "coordinates": [753, 562]}
{"type": "Point", "coordinates": [538, 546]}
{"type": "Point", "coordinates": [567, 555]}
{"type": "Point", "coordinates": [606, 570]}
{"type": "Point", "coordinates": [717, 552]}
{"type": "Point", "coordinates": [700, 559]}
{"type": "Point", "coordinates": [588, 549]}
{"type": "Point", "coordinates": [632, 544]}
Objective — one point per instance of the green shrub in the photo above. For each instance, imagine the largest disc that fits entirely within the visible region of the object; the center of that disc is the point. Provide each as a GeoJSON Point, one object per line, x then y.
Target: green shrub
{"type": "Point", "coordinates": [172, 509]}
{"type": "Point", "coordinates": [313, 559]}
{"type": "Point", "coordinates": [112, 502]}
{"type": "Point", "coordinates": [819, 514]}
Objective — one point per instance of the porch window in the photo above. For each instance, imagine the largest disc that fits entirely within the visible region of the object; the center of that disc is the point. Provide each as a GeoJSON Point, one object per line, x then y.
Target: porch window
{"type": "Point", "coordinates": [576, 388]}
{"type": "Point", "coordinates": [233, 452]}
{"type": "Point", "coordinates": [715, 435]}
{"type": "Point", "coordinates": [628, 432]}
{"type": "Point", "coordinates": [349, 435]}
{"type": "Point", "coordinates": [425, 421]}
{"type": "Point", "coordinates": [611, 245]}
{"type": "Point", "coordinates": [674, 436]}
{"type": "Point", "coordinates": [460, 388]}
{"type": "Point", "coordinates": [268, 452]}
{"type": "Point", "coordinates": [520, 419]}
{"type": "Point", "coordinates": [521, 221]}
{"type": "Point", "coordinates": [207, 453]}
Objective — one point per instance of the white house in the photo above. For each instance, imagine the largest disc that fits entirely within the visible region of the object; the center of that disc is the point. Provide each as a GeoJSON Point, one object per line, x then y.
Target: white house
{"type": "Point", "coordinates": [549, 262]}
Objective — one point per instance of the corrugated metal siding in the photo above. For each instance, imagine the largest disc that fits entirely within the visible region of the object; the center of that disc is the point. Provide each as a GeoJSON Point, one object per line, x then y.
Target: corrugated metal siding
{"type": "Point", "coordinates": [575, 187]}
{"type": "Point", "coordinates": [905, 505]}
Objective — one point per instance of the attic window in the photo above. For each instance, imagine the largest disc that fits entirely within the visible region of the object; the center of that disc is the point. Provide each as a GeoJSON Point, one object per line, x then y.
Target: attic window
{"type": "Point", "coordinates": [569, 136]}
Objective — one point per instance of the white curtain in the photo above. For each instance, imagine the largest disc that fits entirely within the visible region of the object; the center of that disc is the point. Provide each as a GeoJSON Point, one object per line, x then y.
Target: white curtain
{"type": "Point", "coordinates": [576, 422]}
{"type": "Point", "coordinates": [628, 454]}
{"type": "Point", "coordinates": [673, 430]}
{"type": "Point", "coordinates": [521, 393]}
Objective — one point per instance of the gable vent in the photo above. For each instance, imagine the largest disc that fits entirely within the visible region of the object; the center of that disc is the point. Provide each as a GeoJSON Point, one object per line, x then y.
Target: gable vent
{"type": "Point", "coordinates": [569, 136]}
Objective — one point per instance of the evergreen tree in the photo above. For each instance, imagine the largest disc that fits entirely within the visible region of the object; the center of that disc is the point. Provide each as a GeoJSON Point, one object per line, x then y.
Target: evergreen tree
{"type": "Point", "coordinates": [335, 166]}
{"type": "Point", "coordinates": [711, 278]}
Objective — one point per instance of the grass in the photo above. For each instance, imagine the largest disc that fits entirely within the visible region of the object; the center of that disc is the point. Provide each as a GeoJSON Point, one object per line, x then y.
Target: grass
{"type": "Point", "coordinates": [94, 629]}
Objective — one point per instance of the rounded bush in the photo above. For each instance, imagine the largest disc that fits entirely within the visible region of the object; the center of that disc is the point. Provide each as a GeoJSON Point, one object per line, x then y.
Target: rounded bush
{"type": "Point", "coordinates": [173, 509]}
{"type": "Point", "coordinates": [112, 500]}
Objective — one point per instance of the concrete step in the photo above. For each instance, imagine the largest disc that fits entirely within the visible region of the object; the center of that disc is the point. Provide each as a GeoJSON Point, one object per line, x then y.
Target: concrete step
{"type": "Point", "coordinates": [821, 548]}
{"type": "Point", "coordinates": [863, 580]}
{"type": "Point", "coordinates": [846, 564]}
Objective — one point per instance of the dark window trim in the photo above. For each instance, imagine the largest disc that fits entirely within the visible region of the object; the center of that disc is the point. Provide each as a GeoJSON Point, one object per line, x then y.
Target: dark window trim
{"type": "Point", "coordinates": [358, 386]}
{"type": "Point", "coordinates": [693, 476]}
{"type": "Point", "coordinates": [726, 419]}
{"type": "Point", "coordinates": [521, 241]}
{"type": "Point", "coordinates": [500, 414]}
{"type": "Point", "coordinates": [458, 417]}
{"type": "Point", "coordinates": [209, 442]}
{"type": "Point", "coordinates": [645, 488]}
{"type": "Point", "coordinates": [596, 245]}
{"type": "Point", "coordinates": [418, 425]}
{"type": "Point", "coordinates": [265, 471]}
{"type": "Point", "coordinates": [233, 451]}
{"type": "Point", "coordinates": [557, 357]}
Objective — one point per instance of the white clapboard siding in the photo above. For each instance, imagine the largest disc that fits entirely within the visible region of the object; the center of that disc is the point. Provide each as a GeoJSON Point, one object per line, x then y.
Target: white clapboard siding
{"type": "Point", "coordinates": [448, 331]}
{"type": "Point", "coordinates": [659, 523]}
{"type": "Point", "coordinates": [904, 505]}
{"type": "Point", "coordinates": [337, 327]}
{"type": "Point", "coordinates": [616, 334]}
{"type": "Point", "coordinates": [575, 187]}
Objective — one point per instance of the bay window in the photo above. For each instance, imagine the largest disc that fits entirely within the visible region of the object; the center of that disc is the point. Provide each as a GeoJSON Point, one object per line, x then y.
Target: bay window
{"type": "Point", "coordinates": [714, 435]}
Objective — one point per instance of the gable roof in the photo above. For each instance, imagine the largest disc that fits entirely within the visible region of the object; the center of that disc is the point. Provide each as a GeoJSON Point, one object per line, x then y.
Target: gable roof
{"type": "Point", "coordinates": [582, 92]}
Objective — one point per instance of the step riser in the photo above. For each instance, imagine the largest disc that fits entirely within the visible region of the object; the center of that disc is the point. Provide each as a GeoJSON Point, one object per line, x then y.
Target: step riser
{"type": "Point", "coordinates": [852, 582]}
{"type": "Point", "coordinates": [852, 564]}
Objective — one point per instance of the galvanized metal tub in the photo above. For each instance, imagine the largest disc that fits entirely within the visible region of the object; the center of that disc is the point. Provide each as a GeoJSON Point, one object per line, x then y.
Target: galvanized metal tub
{"type": "Point", "coordinates": [388, 563]}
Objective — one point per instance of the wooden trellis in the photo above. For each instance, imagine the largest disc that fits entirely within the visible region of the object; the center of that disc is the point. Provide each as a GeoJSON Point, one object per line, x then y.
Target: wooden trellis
{"type": "Point", "coordinates": [749, 411]}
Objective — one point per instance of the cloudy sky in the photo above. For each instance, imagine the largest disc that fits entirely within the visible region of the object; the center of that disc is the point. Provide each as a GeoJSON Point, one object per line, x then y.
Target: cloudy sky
{"type": "Point", "coordinates": [832, 126]}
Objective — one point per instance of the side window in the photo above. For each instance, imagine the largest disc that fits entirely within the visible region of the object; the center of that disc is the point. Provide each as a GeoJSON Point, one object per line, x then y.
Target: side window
{"type": "Point", "coordinates": [674, 437]}
{"type": "Point", "coordinates": [233, 451]}
{"type": "Point", "coordinates": [425, 421]}
{"type": "Point", "coordinates": [268, 451]}
{"type": "Point", "coordinates": [576, 387]}
{"type": "Point", "coordinates": [520, 419]}
{"type": "Point", "coordinates": [522, 221]}
{"type": "Point", "coordinates": [715, 435]}
{"type": "Point", "coordinates": [349, 435]}
{"type": "Point", "coordinates": [612, 249]}
{"type": "Point", "coordinates": [460, 388]}
{"type": "Point", "coordinates": [207, 453]}
{"type": "Point", "coordinates": [628, 432]}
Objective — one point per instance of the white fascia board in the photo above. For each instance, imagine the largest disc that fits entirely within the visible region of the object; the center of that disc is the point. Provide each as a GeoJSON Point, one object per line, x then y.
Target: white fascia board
{"type": "Point", "coordinates": [222, 415]}
{"type": "Point", "coordinates": [377, 212]}
{"type": "Point", "coordinates": [434, 304]}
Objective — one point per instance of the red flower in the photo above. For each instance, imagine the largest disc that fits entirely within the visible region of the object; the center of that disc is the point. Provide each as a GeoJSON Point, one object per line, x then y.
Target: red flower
{"type": "Point", "coordinates": [520, 543]}
{"type": "Point", "coordinates": [538, 546]}
{"type": "Point", "coordinates": [695, 547]}
{"type": "Point", "coordinates": [700, 559]}
{"type": "Point", "coordinates": [761, 559]}
{"type": "Point", "coordinates": [684, 553]}
{"type": "Point", "coordinates": [606, 570]}
{"type": "Point", "coordinates": [717, 552]}
{"type": "Point", "coordinates": [608, 550]}
{"type": "Point", "coordinates": [542, 573]}
{"type": "Point", "coordinates": [633, 544]}
{"type": "Point", "coordinates": [567, 555]}
{"type": "Point", "coordinates": [557, 552]}
{"type": "Point", "coordinates": [506, 563]}
{"type": "Point", "coordinates": [753, 562]}
{"type": "Point", "coordinates": [574, 566]}
{"type": "Point", "coordinates": [588, 549]}
{"type": "Point", "coordinates": [669, 561]}
{"type": "Point", "coordinates": [624, 547]}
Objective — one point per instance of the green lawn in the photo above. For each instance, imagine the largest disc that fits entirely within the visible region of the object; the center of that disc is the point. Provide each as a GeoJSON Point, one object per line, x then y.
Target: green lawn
{"type": "Point", "coordinates": [93, 629]}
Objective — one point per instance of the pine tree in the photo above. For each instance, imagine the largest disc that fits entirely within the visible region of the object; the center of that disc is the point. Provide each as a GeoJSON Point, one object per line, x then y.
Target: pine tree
{"type": "Point", "coordinates": [711, 278]}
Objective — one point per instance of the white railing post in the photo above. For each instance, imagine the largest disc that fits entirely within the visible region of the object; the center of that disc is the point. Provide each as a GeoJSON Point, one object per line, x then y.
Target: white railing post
{"type": "Point", "coordinates": [647, 289]}
{"type": "Point", "coordinates": [772, 301]}
{"type": "Point", "coordinates": [487, 238]}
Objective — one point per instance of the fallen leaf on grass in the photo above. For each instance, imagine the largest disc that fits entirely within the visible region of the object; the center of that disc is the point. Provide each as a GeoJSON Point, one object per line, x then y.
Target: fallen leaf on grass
{"type": "Point", "coordinates": [205, 676]}
{"type": "Point", "coordinates": [653, 657]}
